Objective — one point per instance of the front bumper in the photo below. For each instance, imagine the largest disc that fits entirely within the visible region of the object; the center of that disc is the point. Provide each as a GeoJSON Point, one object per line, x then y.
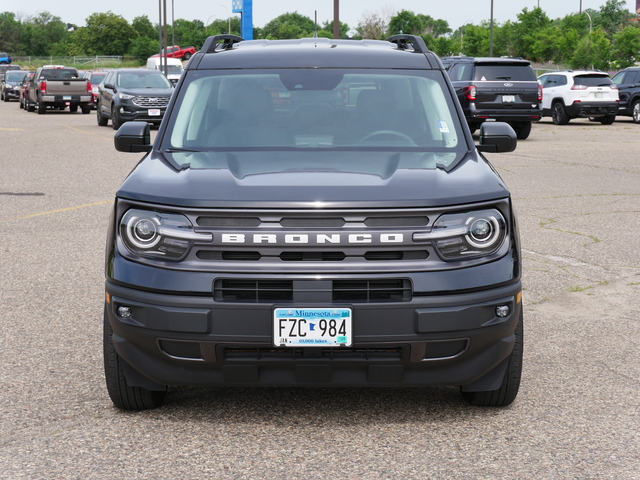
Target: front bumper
{"type": "Point", "coordinates": [444, 339]}
{"type": "Point", "coordinates": [129, 113]}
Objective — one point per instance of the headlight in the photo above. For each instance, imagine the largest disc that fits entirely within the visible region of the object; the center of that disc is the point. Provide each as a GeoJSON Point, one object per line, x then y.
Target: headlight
{"type": "Point", "coordinates": [125, 96]}
{"type": "Point", "coordinates": [467, 235]}
{"type": "Point", "coordinates": [163, 236]}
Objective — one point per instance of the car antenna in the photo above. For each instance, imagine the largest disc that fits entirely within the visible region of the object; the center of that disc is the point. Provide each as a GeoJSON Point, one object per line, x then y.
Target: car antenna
{"type": "Point", "coordinates": [315, 24]}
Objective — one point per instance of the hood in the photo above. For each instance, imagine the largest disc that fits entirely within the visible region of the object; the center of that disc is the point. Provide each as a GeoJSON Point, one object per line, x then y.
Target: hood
{"type": "Point", "coordinates": [155, 181]}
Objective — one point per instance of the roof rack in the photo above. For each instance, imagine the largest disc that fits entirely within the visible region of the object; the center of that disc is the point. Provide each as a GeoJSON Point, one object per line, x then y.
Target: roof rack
{"type": "Point", "coordinates": [227, 41]}
{"type": "Point", "coordinates": [404, 40]}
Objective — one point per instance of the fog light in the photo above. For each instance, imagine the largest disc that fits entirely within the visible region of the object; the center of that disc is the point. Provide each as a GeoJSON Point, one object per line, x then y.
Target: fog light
{"type": "Point", "coordinates": [503, 311]}
{"type": "Point", "coordinates": [124, 312]}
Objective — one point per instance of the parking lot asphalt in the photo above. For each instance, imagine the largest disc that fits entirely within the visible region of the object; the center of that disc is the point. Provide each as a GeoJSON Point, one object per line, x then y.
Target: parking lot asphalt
{"type": "Point", "coordinates": [577, 195]}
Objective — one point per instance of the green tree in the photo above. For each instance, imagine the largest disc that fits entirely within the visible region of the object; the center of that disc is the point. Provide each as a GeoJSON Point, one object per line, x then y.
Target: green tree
{"type": "Point", "coordinates": [288, 25]}
{"type": "Point", "coordinates": [328, 27]}
{"type": "Point", "coordinates": [145, 28]}
{"type": "Point", "coordinates": [220, 26]}
{"type": "Point", "coordinates": [406, 22]}
{"type": "Point", "coordinates": [475, 41]}
{"type": "Point", "coordinates": [524, 31]}
{"type": "Point", "coordinates": [546, 44]}
{"type": "Point", "coordinates": [372, 26]}
{"type": "Point", "coordinates": [626, 45]}
{"type": "Point", "coordinates": [592, 51]}
{"type": "Point", "coordinates": [105, 34]}
{"type": "Point", "coordinates": [10, 34]}
{"type": "Point", "coordinates": [612, 16]}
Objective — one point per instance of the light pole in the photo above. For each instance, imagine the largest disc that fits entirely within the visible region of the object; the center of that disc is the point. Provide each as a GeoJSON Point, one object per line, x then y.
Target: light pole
{"type": "Point", "coordinates": [491, 32]}
{"type": "Point", "coordinates": [228, 16]}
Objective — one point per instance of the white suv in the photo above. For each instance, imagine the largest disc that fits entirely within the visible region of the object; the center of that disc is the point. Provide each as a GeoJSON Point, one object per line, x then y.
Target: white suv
{"type": "Point", "coordinates": [578, 94]}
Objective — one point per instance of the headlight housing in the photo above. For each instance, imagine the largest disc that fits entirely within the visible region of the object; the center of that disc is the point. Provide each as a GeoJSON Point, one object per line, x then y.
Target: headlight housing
{"type": "Point", "coordinates": [164, 236]}
{"type": "Point", "coordinates": [125, 96]}
{"type": "Point", "coordinates": [468, 235]}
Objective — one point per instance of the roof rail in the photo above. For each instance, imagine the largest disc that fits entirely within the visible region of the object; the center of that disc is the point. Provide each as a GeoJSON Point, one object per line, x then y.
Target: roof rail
{"type": "Point", "coordinates": [227, 42]}
{"type": "Point", "coordinates": [403, 40]}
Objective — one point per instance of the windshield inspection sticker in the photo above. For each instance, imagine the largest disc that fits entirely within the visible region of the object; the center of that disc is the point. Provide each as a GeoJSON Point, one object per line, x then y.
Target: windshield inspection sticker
{"type": "Point", "coordinates": [442, 125]}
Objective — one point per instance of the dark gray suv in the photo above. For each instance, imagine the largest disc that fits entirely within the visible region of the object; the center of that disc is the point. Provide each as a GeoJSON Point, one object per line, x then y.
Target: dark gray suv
{"type": "Point", "coordinates": [497, 89]}
{"type": "Point", "coordinates": [133, 94]}
{"type": "Point", "coordinates": [313, 212]}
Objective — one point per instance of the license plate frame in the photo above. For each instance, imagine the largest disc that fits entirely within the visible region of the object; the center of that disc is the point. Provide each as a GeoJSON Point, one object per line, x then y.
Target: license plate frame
{"type": "Point", "coordinates": [508, 99]}
{"type": "Point", "coordinates": [154, 112]}
{"type": "Point", "coordinates": [312, 327]}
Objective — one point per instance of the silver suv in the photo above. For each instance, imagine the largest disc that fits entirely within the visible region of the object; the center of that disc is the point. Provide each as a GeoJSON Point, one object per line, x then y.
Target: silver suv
{"type": "Point", "coordinates": [579, 94]}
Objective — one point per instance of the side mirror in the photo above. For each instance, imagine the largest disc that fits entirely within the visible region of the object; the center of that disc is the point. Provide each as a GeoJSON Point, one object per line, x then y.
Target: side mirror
{"type": "Point", "coordinates": [133, 137]}
{"type": "Point", "coordinates": [109, 86]}
{"type": "Point", "coordinates": [497, 137]}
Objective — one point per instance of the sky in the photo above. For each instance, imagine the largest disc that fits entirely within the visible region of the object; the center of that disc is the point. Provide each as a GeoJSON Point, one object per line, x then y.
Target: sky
{"type": "Point", "coordinates": [456, 12]}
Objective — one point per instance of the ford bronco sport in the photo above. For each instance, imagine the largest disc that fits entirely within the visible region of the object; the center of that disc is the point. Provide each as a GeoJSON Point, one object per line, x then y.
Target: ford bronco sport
{"type": "Point", "coordinates": [313, 212]}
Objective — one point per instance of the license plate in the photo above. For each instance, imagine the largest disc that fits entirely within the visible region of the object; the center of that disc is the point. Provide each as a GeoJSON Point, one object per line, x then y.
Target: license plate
{"type": "Point", "coordinates": [312, 327]}
{"type": "Point", "coordinates": [154, 112]}
{"type": "Point", "coordinates": [66, 97]}
{"type": "Point", "coordinates": [598, 95]}
{"type": "Point", "coordinates": [508, 99]}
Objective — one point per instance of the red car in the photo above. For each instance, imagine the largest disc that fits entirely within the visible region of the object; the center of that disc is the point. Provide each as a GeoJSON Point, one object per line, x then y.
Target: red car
{"type": "Point", "coordinates": [176, 51]}
{"type": "Point", "coordinates": [24, 90]}
{"type": "Point", "coordinates": [94, 79]}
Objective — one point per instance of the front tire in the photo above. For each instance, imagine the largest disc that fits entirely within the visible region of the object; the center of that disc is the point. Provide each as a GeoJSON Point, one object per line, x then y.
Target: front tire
{"type": "Point", "coordinates": [635, 111]}
{"type": "Point", "coordinates": [559, 114]}
{"type": "Point", "coordinates": [122, 395]}
{"type": "Point", "coordinates": [508, 391]}
{"type": "Point", "coordinates": [187, 56]}
{"type": "Point", "coordinates": [116, 123]}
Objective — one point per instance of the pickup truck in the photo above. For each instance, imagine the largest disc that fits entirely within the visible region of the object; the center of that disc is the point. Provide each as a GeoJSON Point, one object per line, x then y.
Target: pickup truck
{"type": "Point", "coordinates": [176, 51]}
{"type": "Point", "coordinates": [57, 87]}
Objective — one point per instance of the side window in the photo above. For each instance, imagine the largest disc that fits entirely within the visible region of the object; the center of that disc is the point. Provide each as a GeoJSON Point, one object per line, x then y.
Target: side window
{"type": "Point", "coordinates": [460, 71]}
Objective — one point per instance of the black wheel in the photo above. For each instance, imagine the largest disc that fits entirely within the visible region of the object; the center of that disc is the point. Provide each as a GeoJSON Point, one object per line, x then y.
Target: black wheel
{"type": "Point", "coordinates": [559, 114]}
{"type": "Point", "coordinates": [102, 122]}
{"type": "Point", "coordinates": [21, 104]}
{"type": "Point", "coordinates": [73, 108]}
{"type": "Point", "coordinates": [4, 97]}
{"type": "Point", "coordinates": [522, 129]}
{"type": "Point", "coordinates": [508, 391]}
{"type": "Point", "coordinates": [86, 109]}
{"type": "Point", "coordinates": [187, 56]}
{"type": "Point", "coordinates": [30, 107]}
{"type": "Point", "coordinates": [607, 119]}
{"type": "Point", "coordinates": [115, 119]}
{"type": "Point", "coordinates": [42, 108]}
{"type": "Point", "coordinates": [122, 395]}
{"type": "Point", "coordinates": [635, 111]}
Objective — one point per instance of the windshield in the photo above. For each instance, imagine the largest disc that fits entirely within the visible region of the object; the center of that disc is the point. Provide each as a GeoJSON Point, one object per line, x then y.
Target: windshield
{"type": "Point", "coordinates": [379, 119]}
{"type": "Point", "coordinates": [15, 77]}
{"type": "Point", "coordinates": [142, 79]}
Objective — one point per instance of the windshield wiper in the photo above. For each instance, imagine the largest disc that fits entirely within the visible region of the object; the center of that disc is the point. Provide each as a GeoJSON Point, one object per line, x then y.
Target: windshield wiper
{"type": "Point", "coordinates": [173, 150]}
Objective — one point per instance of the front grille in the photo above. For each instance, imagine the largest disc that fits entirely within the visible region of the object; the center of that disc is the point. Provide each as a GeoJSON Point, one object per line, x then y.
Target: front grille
{"type": "Point", "coordinates": [151, 101]}
{"type": "Point", "coordinates": [253, 291]}
{"type": "Point", "coordinates": [312, 256]}
{"type": "Point", "coordinates": [349, 291]}
{"type": "Point", "coordinates": [338, 353]}
{"type": "Point", "coordinates": [383, 290]}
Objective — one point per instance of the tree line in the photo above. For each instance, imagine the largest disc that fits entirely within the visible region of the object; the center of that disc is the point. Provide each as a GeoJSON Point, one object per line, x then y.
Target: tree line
{"type": "Point", "coordinates": [607, 38]}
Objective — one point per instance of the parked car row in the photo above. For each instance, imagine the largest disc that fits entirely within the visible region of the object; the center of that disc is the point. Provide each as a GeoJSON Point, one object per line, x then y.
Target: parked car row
{"type": "Point", "coordinates": [489, 89]}
{"type": "Point", "coordinates": [507, 90]}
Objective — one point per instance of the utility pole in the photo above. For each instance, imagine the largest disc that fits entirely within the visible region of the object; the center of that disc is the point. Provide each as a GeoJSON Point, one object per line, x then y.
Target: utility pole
{"type": "Point", "coordinates": [491, 32]}
{"type": "Point", "coordinates": [336, 18]}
